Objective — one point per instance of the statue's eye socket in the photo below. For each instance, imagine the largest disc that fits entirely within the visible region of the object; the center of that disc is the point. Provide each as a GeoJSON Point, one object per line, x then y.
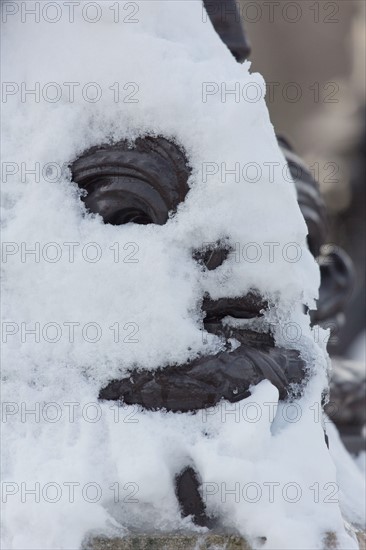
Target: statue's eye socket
{"type": "Point", "coordinates": [120, 199]}
{"type": "Point", "coordinates": [130, 215]}
{"type": "Point", "coordinates": [142, 185]}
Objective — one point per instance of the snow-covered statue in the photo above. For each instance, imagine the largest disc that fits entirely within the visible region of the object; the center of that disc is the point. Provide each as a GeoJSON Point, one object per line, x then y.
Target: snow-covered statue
{"type": "Point", "coordinates": [144, 184]}
{"type": "Point", "coordinates": [161, 369]}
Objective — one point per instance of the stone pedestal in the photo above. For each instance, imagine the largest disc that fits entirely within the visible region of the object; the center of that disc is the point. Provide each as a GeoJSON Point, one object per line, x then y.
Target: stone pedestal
{"type": "Point", "coordinates": [168, 541]}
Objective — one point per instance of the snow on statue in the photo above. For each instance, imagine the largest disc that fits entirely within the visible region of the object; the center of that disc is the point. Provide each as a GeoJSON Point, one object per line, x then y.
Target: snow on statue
{"type": "Point", "coordinates": [86, 302]}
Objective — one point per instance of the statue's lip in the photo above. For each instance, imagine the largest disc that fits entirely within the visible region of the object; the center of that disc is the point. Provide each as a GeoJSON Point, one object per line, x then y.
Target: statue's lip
{"type": "Point", "coordinates": [227, 375]}
{"type": "Point", "coordinates": [206, 381]}
{"type": "Point", "coordinates": [244, 307]}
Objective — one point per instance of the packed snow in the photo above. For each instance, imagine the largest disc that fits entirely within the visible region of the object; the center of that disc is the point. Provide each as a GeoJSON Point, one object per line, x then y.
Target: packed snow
{"type": "Point", "coordinates": [97, 307]}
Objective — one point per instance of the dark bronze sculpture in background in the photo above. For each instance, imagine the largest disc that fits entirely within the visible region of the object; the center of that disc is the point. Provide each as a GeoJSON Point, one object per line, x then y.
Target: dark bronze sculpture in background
{"type": "Point", "coordinates": [145, 184]}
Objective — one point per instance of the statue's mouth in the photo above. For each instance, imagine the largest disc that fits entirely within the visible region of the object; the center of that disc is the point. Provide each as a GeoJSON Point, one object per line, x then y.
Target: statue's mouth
{"type": "Point", "coordinates": [206, 380]}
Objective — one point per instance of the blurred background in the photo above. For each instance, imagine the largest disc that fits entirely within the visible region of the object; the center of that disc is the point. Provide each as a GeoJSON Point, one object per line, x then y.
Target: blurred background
{"type": "Point", "coordinates": [312, 56]}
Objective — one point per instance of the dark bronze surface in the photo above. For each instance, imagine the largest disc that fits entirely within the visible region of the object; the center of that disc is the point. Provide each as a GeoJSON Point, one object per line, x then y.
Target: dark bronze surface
{"type": "Point", "coordinates": [225, 17]}
{"type": "Point", "coordinates": [143, 183]}
{"type": "Point", "coordinates": [205, 381]}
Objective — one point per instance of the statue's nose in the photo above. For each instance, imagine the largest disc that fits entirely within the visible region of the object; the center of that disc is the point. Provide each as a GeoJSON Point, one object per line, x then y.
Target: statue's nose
{"type": "Point", "coordinates": [141, 184]}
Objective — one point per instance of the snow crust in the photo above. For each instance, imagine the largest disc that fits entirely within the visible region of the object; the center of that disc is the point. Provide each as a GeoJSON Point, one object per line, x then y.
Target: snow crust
{"type": "Point", "coordinates": [169, 53]}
